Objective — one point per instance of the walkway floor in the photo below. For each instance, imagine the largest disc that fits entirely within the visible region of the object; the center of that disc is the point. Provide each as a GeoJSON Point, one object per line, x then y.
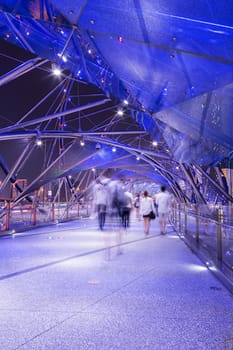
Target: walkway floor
{"type": "Point", "coordinates": [58, 292]}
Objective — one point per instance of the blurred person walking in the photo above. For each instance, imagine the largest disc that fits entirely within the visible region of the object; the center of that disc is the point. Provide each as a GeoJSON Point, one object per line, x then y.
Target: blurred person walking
{"type": "Point", "coordinates": [137, 206]}
{"type": "Point", "coordinates": [125, 209]}
{"type": "Point", "coordinates": [100, 203]}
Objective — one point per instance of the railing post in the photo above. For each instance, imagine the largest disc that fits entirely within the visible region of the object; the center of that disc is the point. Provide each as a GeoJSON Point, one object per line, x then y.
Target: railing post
{"type": "Point", "coordinates": [219, 233]}
{"type": "Point", "coordinates": [179, 215]}
{"type": "Point", "coordinates": [197, 222]}
{"type": "Point", "coordinates": [176, 215]}
{"type": "Point", "coordinates": [67, 211]}
{"type": "Point", "coordinates": [52, 213]}
{"type": "Point", "coordinates": [185, 219]}
{"type": "Point", "coordinates": [7, 222]}
{"type": "Point", "coordinates": [33, 214]}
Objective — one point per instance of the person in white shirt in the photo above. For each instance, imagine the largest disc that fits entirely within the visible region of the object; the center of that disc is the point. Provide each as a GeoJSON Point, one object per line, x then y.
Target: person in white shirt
{"type": "Point", "coordinates": [146, 206]}
{"type": "Point", "coordinates": [100, 202]}
{"type": "Point", "coordinates": [163, 200]}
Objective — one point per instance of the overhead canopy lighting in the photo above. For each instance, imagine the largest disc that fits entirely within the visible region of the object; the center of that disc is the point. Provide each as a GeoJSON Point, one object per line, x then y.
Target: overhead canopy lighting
{"type": "Point", "coordinates": [120, 112]}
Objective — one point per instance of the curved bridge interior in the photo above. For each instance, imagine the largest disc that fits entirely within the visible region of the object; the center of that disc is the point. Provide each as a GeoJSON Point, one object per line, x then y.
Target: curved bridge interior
{"type": "Point", "coordinates": [134, 90]}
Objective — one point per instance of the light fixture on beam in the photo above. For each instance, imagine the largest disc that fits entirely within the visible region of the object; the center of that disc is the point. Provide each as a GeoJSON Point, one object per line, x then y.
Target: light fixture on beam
{"type": "Point", "coordinates": [56, 70]}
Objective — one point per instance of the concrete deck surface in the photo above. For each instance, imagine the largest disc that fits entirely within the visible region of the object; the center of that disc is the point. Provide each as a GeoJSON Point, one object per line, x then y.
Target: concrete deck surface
{"type": "Point", "coordinates": [59, 291]}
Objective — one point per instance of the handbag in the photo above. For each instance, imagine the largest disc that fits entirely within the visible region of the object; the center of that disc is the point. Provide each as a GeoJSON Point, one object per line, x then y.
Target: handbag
{"type": "Point", "coordinates": [152, 215]}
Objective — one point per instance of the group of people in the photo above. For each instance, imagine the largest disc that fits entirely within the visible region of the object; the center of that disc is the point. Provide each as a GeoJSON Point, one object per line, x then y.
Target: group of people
{"type": "Point", "coordinates": [113, 199]}
{"type": "Point", "coordinates": [150, 207]}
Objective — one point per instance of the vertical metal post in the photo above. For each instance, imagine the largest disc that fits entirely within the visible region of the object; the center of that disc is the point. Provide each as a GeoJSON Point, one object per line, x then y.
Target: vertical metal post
{"type": "Point", "coordinates": [7, 222]}
{"type": "Point", "coordinates": [185, 219]}
{"type": "Point", "coordinates": [52, 213]}
{"type": "Point", "coordinates": [219, 233]}
{"type": "Point", "coordinates": [179, 214]}
{"type": "Point", "coordinates": [197, 222]}
{"type": "Point", "coordinates": [67, 210]}
{"type": "Point", "coordinates": [176, 215]}
{"type": "Point", "coordinates": [33, 214]}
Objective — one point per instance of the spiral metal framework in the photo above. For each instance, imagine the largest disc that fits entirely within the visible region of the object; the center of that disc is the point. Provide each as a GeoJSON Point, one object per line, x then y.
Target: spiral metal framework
{"type": "Point", "coordinates": [132, 72]}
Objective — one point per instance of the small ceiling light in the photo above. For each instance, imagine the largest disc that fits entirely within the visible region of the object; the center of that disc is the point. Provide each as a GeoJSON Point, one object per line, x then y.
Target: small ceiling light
{"type": "Point", "coordinates": [39, 142]}
{"type": "Point", "coordinates": [56, 71]}
{"type": "Point", "coordinates": [82, 143]}
{"type": "Point", "coordinates": [155, 143]}
{"type": "Point", "coordinates": [63, 57]}
{"type": "Point", "coordinates": [138, 158]}
{"type": "Point", "coordinates": [125, 102]}
{"type": "Point", "coordinates": [93, 169]}
{"type": "Point", "coordinates": [79, 72]}
{"type": "Point", "coordinates": [120, 112]}
{"type": "Point", "coordinates": [114, 149]}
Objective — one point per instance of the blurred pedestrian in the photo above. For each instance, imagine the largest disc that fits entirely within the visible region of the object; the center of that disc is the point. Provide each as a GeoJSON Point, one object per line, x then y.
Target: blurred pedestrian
{"type": "Point", "coordinates": [137, 206]}
{"type": "Point", "coordinates": [100, 203]}
{"type": "Point", "coordinates": [126, 209]}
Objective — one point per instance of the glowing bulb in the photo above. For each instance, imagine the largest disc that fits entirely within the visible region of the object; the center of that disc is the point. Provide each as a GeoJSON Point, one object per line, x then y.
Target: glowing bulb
{"type": "Point", "coordinates": [114, 149]}
{"type": "Point", "coordinates": [155, 143]}
{"type": "Point", "coordinates": [38, 142]}
{"type": "Point", "coordinates": [120, 112]}
{"type": "Point", "coordinates": [57, 72]}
